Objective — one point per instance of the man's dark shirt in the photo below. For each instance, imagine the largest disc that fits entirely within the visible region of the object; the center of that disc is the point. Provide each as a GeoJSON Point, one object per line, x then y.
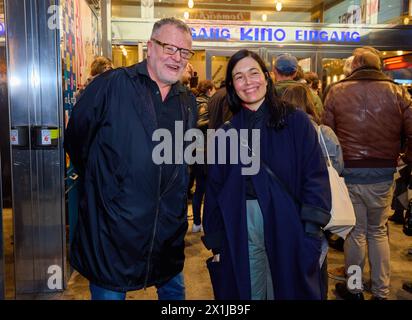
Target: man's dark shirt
{"type": "Point", "coordinates": [167, 112]}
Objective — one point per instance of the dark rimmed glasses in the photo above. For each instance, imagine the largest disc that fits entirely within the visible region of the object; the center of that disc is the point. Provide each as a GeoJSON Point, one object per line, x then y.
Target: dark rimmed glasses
{"type": "Point", "coordinates": [171, 49]}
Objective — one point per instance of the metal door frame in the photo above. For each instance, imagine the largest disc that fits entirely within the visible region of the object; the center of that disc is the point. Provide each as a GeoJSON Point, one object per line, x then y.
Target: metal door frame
{"type": "Point", "coordinates": [36, 104]}
{"type": "Point", "coordinates": [2, 267]}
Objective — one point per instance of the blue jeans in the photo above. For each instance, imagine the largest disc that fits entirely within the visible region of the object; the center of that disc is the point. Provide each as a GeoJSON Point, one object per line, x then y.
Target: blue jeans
{"type": "Point", "coordinates": [172, 290]}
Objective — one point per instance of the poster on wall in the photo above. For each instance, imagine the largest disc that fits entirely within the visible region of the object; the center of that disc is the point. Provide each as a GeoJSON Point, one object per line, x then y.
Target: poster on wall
{"type": "Point", "coordinates": [80, 45]}
{"type": "Point", "coordinates": [86, 41]}
{"type": "Point", "coordinates": [68, 57]}
{"type": "Point", "coordinates": [359, 12]}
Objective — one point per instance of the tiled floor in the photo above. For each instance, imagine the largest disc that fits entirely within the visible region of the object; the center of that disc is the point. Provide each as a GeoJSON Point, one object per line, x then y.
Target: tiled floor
{"type": "Point", "coordinates": [197, 278]}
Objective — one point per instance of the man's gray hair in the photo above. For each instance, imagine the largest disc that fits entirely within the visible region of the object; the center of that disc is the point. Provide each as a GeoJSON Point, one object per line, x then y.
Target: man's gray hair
{"type": "Point", "coordinates": [173, 21]}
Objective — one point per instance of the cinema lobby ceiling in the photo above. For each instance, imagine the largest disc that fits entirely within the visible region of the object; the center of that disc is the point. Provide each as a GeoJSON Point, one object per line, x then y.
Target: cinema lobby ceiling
{"type": "Point", "coordinates": [224, 9]}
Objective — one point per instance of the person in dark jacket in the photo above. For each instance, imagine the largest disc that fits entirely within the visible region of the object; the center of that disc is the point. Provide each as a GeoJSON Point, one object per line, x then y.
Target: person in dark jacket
{"type": "Point", "coordinates": [287, 72]}
{"type": "Point", "coordinates": [133, 211]}
{"type": "Point", "coordinates": [218, 109]}
{"type": "Point", "coordinates": [205, 89]}
{"type": "Point", "coordinates": [265, 229]}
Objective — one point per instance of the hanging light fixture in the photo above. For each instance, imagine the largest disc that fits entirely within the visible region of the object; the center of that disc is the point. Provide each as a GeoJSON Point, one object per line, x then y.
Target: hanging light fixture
{"type": "Point", "coordinates": [264, 17]}
{"type": "Point", "coordinates": [190, 4]}
{"type": "Point", "coordinates": [186, 15]}
{"type": "Point", "coordinates": [278, 5]}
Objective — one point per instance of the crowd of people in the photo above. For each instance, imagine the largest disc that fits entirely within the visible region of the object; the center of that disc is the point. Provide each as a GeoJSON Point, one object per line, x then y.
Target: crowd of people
{"type": "Point", "coordinates": [265, 230]}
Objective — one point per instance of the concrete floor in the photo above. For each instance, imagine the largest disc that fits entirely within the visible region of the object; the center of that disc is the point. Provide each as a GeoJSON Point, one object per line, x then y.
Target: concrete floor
{"type": "Point", "coordinates": [197, 278]}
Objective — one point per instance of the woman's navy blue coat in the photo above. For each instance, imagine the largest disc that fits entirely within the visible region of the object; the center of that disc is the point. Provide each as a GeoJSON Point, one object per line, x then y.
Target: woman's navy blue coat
{"type": "Point", "coordinates": [292, 231]}
{"type": "Point", "coordinates": [130, 234]}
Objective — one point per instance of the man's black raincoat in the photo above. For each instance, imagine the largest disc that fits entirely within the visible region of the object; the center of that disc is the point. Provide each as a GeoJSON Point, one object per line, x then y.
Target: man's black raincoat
{"type": "Point", "coordinates": [130, 233]}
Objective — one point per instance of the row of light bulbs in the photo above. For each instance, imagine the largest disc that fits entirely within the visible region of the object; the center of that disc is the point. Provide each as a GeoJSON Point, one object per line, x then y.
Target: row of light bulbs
{"type": "Point", "coordinates": [191, 4]}
{"type": "Point", "coordinates": [278, 5]}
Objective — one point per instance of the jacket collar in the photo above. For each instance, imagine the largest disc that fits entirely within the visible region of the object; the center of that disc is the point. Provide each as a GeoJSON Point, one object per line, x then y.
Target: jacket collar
{"type": "Point", "coordinates": [145, 110]}
{"type": "Point", "coordinates": [140, 69]}
{"type": "Point", "coordinates": [368, 74]}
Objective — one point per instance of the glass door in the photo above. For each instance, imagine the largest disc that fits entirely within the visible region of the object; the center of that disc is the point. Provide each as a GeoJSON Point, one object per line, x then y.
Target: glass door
{"type": "Point", "coordinates": [306, 58]}
{"type": "Point", "coordinates": [330, 65]}
{"type": "Point", "coordinates": [326, 63]}
{"type": "Point", "coordinates": [216, 64]}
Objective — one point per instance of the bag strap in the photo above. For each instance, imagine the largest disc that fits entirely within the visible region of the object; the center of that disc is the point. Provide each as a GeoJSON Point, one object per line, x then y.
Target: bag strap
{"type": "Point", "coordinates": [280, 182]}
{"type": "Point", "coordinates": [324, 144]}
{"type": "Point", "coordinates": [269, 171]}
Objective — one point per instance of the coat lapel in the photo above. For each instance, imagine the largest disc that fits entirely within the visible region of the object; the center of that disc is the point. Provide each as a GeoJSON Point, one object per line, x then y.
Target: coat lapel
{"type": "Point", "coordinates": [142, 102]}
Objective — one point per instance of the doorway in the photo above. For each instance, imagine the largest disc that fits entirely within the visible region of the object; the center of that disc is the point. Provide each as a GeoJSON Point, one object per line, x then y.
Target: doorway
{"type": "Point", "coordinates": [328, 64]}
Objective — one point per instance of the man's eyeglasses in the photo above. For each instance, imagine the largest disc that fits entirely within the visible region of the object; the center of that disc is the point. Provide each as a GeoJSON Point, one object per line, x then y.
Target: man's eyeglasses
{"type": "Point", "coordinates": [171, 49]}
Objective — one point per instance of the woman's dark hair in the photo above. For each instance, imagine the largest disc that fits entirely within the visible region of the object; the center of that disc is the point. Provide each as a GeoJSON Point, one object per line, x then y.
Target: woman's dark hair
{"type": "Point", "coordinates": [300, 96]}
{"type": "Point", "coordinates": [277, 108]}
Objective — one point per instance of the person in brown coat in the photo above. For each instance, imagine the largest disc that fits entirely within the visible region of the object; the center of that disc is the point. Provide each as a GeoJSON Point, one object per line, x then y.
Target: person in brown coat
{"type": "Point", "coordinates": [369, 112]}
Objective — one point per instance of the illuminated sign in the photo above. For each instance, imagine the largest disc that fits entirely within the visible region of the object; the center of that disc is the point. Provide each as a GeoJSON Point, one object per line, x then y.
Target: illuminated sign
{"type": "Point", "coordinates": [222, 34]}
{"type": "Point", "coordinates": [325, 36]}
{"type": "Point", "coordinates": [273, 34]}
{"type": "Point", "coordinates": [2, 29]}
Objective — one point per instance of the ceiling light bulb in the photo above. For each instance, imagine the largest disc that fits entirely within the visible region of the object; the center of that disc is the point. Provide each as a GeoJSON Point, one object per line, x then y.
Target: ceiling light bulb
{"type": "Point", "coordinates": [264, 17]}
{"type": "Point", "coordinates": [399, 52]}
{"type": "Point", "coordinates": [186, 15]}
{"type": "Point", "coordinates": [278, 5]}
{"type": "Point", "coordinates": [190, 4]}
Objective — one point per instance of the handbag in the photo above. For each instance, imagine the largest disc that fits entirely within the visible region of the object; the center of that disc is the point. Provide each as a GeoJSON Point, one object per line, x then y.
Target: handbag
{"type": "Point", "coordinates": [401, 192]}
{"type": "Point", "coordinates": [407, 225]}
{"type": "Point", "coordinates": [343, 217]}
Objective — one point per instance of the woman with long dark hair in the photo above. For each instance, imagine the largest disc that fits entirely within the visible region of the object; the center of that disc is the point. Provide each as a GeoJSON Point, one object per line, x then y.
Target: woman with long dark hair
{"type": "Point", "coordinates": [265, 229]}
